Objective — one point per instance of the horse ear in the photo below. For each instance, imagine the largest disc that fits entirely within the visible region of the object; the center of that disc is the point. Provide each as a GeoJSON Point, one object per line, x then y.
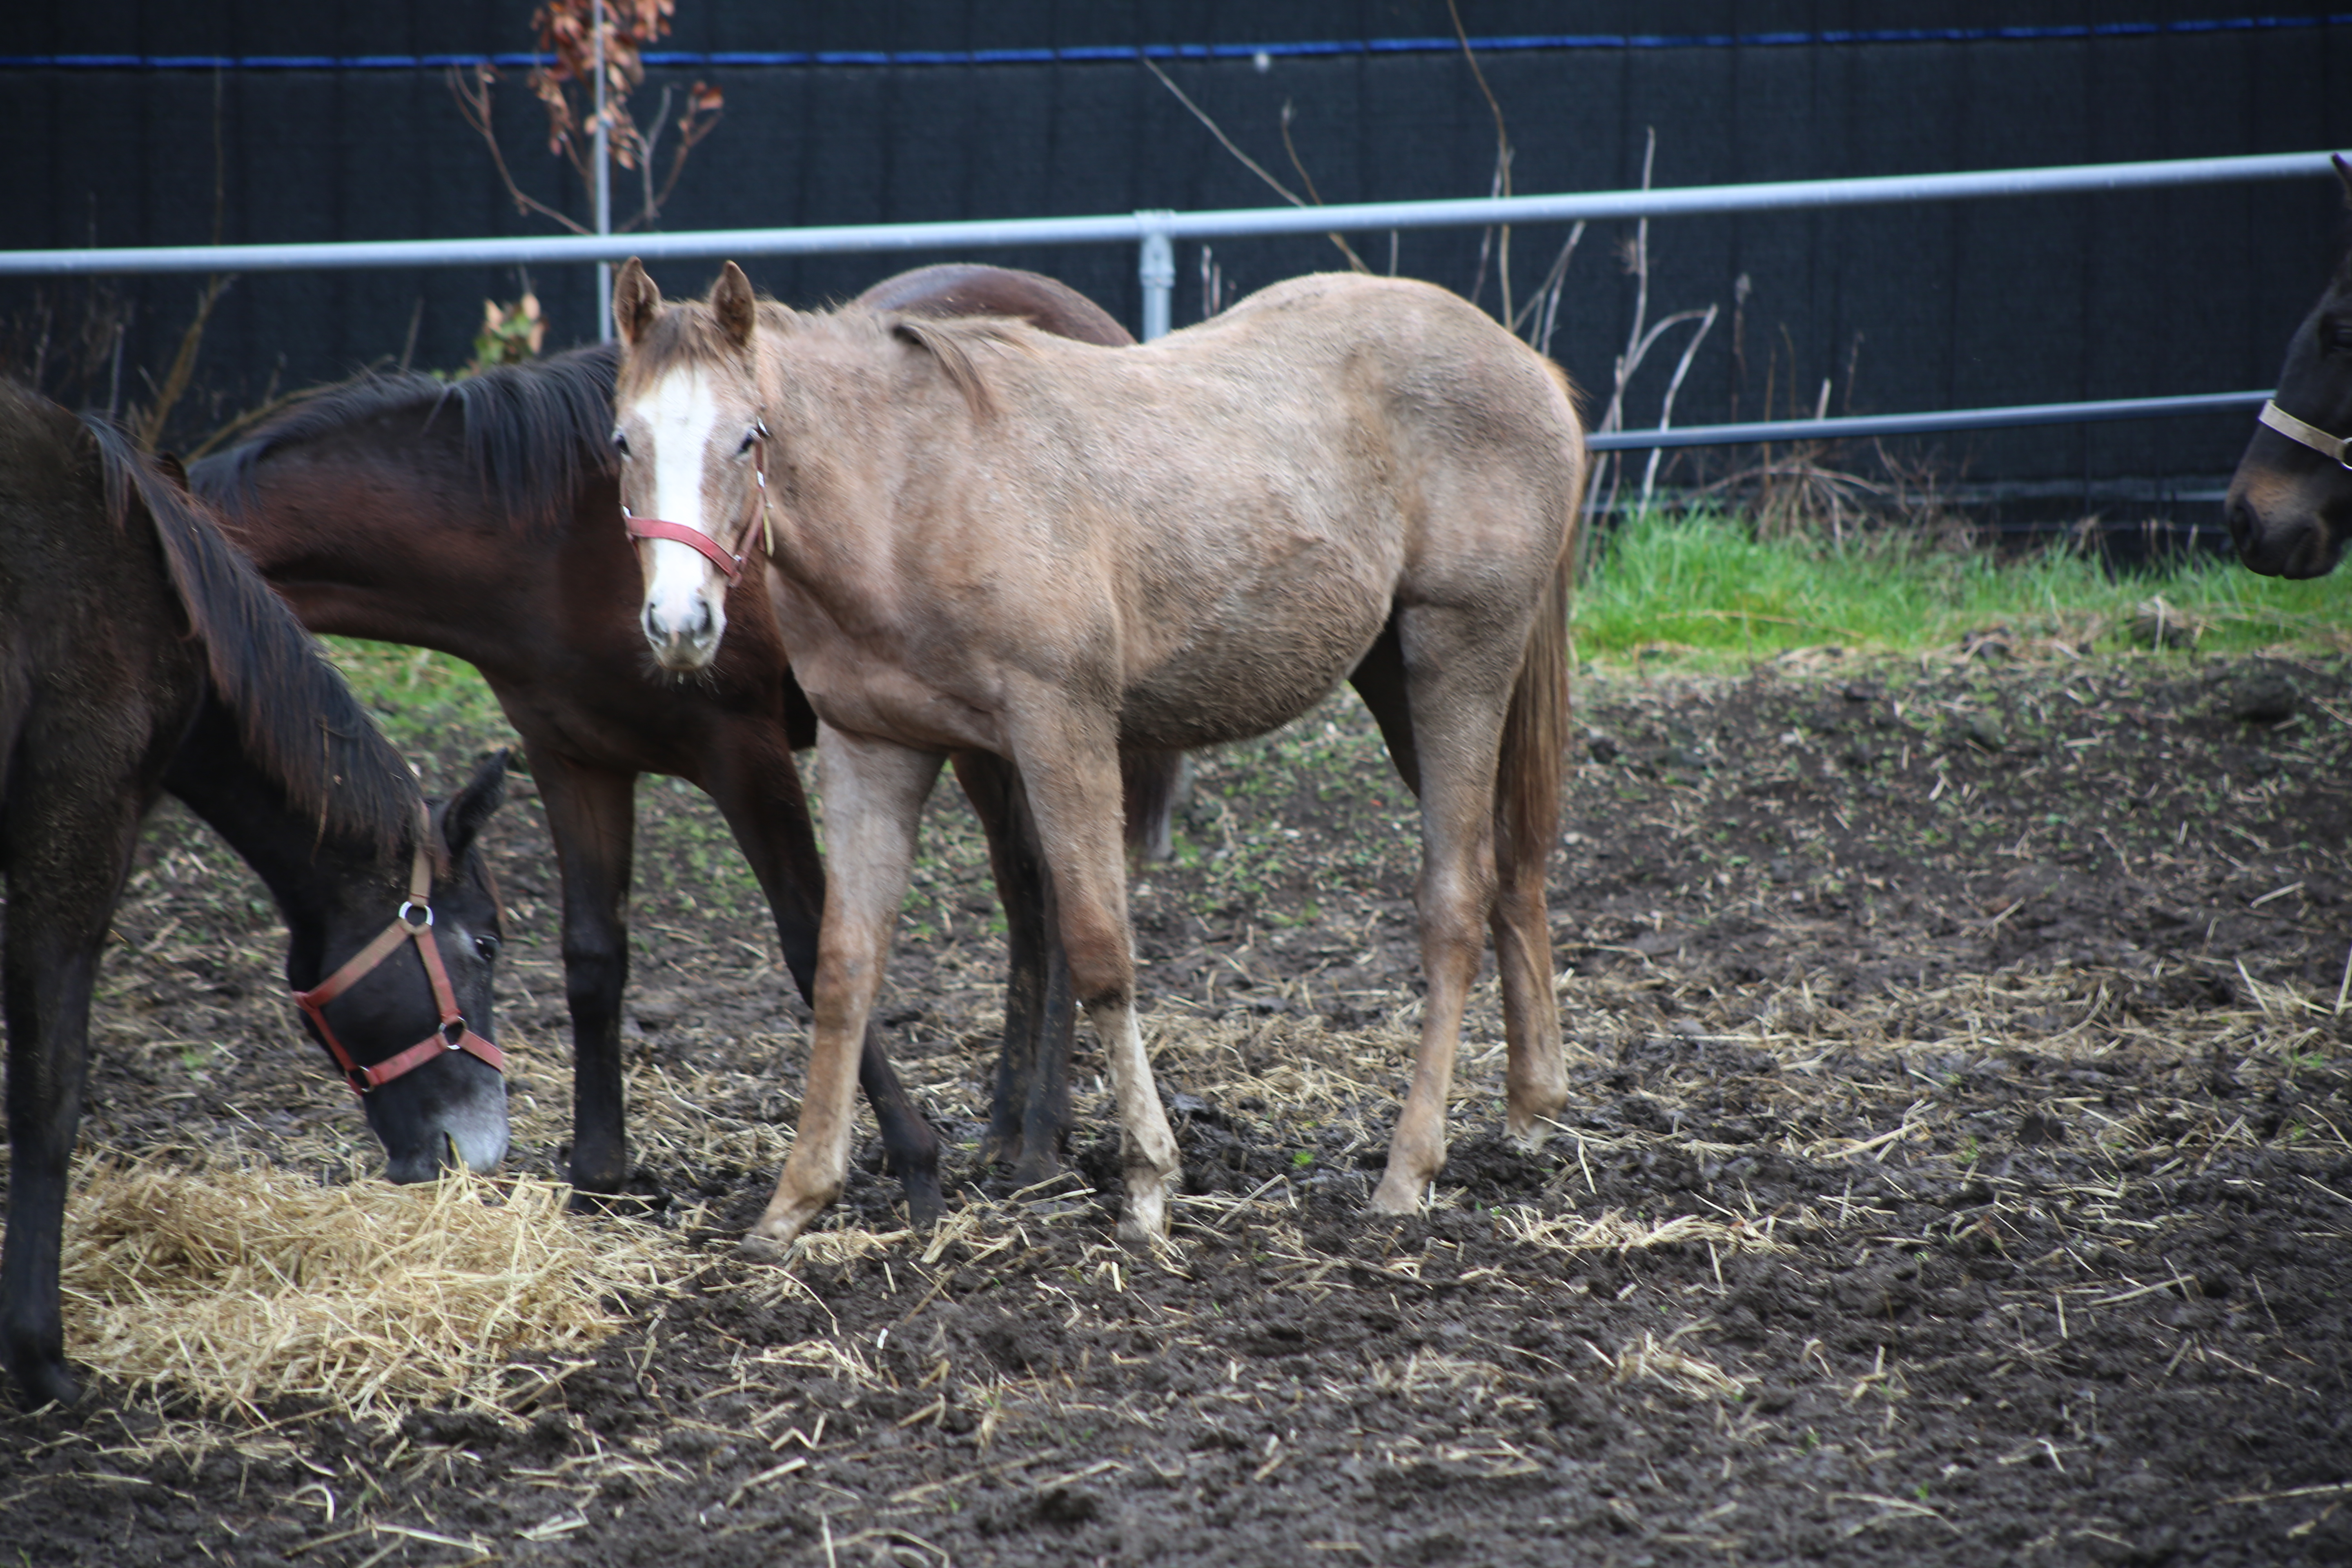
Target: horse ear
{"type": "Point", "coordinates": [2343, 173]}
{"type": "Point", "coordinates": [732, 302]}
{"type": "Point", "coordinates": [636, 302]}
{"type": "Point", "coordinates": [470, 807]}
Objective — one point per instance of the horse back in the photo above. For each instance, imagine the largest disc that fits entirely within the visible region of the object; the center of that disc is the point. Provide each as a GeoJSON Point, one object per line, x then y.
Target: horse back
{"type": "Point", "coordinates": [1237, 507]}
{"type": "Point", "coordinates": [952, 289]}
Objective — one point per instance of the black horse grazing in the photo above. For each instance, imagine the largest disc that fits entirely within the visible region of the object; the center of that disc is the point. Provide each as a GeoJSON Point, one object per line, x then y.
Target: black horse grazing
{"type": "Point", "coordinates": [482, 517]}
{"type": "Point", "coordinates": [2290, 502]}
{"type": "Point", "coordinates": [139, 652]}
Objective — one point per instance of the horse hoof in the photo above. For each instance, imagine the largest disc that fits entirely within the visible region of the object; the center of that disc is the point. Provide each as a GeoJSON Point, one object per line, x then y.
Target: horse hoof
{"type": "Point", "coordinates": [1397, 1195]}
{"type": "Point", "coordinates": [757, 1249]}
{"type": "Point", "coordinates": [1144, 1221]}
{"type": "Point", "coordinates": [926, 1205]}
{"type": "Point", "coordinates": [46, 1381]}
{"type": "Point", "coordinates": [1034, 1173]}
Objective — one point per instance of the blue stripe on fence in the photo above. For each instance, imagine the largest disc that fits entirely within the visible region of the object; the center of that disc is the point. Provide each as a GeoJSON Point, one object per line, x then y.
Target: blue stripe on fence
{"type": "Point", "coordinates": [1091, 54]}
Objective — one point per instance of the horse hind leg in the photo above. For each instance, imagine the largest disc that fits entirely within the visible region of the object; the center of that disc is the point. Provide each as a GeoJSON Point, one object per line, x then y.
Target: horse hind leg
{"type": "Point", "coordinates": [1155, 786]}
{"type": "Point", "coordinates": [1433, 687]}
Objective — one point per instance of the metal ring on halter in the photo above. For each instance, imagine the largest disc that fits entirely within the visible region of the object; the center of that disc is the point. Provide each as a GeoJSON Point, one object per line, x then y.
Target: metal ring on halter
{"type": "Point", "coordinates": [410, 921]}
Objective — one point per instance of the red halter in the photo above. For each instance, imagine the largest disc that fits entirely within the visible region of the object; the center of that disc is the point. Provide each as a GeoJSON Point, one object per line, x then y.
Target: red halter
{"type": "Point", "coordinates": [413, 923]}
{"type": "Point", "coordinates": [729, 561]}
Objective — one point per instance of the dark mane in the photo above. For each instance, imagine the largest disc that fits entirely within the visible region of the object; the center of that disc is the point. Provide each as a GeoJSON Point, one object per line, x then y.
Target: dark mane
{"type": "Point", "coordinates": [534, 432]}
{"type": "Point", "coordinates": [299, 720]}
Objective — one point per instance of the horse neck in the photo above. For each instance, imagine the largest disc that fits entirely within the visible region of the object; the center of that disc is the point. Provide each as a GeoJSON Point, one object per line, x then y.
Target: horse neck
{"type": "Point", "coordinates": [426, 559]}
{"type": "Point", "coordinates": [304, 866]}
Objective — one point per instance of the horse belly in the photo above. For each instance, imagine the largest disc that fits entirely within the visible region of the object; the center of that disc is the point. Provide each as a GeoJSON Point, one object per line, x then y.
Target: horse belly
{"type": "Point", "coordinates": [1246, 680]}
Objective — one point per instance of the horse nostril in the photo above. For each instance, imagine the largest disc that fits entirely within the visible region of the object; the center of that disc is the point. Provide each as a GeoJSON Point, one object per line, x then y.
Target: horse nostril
{"type": "Point", "coordinates": [646, 619]}
{"type": "Point", "coordinates": [703, 621]}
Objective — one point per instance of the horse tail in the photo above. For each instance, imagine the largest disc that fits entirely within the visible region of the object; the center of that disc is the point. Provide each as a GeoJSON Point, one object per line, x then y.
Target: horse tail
{"type": "Point", "coordinates": [1527, 824]}
{"type": "Point", "coordinates": [1536, 734]}
{"type": "Point", "coordinates": [298, 719]}
{"type": "Point", "coordinates": [1536, 726]}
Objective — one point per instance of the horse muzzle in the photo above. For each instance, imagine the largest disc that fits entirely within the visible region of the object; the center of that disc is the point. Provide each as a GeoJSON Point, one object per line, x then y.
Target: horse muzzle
{"type": "Point", "coordinates": [684, 637]}
{"type": "Point", "coordinates": [2281, 530]}
{"type": "Point", "coordinates": [452, 1116]}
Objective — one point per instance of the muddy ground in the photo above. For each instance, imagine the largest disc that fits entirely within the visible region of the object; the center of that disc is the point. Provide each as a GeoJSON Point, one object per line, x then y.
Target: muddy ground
{"type": "Point", "coordinates": [1956, 1171]}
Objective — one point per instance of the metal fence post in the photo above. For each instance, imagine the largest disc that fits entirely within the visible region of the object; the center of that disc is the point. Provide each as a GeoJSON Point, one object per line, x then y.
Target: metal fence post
{"type": "Point", "coordinates": [1157, 269]}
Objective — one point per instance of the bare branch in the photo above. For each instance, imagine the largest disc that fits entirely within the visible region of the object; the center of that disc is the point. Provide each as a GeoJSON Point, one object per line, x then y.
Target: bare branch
{"type": "Point", "coordinates": [184, 363]}
{"type": "Point", "coordinates": [1666, 408]}
{"type": "Point", "coordinates": [1502, 164]}
{"type": "Point", "coordinates": [474, 104]}
{"type": "Point", "coordinates": [1248, 162]}
{"type": "Point", "coordinates": [1313, 195]}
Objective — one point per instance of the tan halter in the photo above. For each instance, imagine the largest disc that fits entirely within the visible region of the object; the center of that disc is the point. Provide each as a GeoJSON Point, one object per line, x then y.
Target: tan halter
{"type": "Point", "coordinates": [2310, 436]}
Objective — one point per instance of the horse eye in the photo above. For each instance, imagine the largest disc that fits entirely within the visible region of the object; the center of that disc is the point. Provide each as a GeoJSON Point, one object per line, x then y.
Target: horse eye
{"type": "Point", "coordinates": [750, 438]}
{"type": "Point", "coordinates": [2338, 335]}
{"type": "Point", "coordinates": [620, 443]}
{"type": "Point", "coordinates": [486, 946]}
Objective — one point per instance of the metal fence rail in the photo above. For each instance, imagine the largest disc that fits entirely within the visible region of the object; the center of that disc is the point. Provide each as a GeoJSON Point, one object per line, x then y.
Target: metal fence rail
{"type": "Point", "coordinates": [1141, 226]}
{"type": "Point", "coordinates": [1154, 233]}
{"type": "Point", "coordinates": [1841, 428]}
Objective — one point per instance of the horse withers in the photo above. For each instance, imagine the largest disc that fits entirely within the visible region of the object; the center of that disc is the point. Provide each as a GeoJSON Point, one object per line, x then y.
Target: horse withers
{"type": "Point", "coordinates": [2290, 503]}
{"type": "Point", "coordinates": [139, 653]}
{"type": "Point", "coordinates": [982, 539]}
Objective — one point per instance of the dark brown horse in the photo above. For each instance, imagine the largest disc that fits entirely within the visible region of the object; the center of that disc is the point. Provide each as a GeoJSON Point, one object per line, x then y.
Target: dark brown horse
{"type": "Point", "coordinates": [139, 653]}
{"type": "Point", "coordinates": [2290, 502]}
{"type": "Point", "coordinates": [482, 519]}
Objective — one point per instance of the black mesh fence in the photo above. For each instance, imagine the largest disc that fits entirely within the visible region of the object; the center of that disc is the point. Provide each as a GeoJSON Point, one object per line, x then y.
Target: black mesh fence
{"type": "Point", "coordinates": [324, 125]}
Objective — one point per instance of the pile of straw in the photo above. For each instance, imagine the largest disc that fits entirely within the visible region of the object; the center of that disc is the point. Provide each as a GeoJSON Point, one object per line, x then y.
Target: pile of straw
{"type": "Point", "coordinates": [247, 1283]}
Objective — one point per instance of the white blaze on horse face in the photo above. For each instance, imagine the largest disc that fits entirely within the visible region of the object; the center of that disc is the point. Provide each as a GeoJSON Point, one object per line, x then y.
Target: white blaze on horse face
{"type": "Point", "coordinates": [686, 595]}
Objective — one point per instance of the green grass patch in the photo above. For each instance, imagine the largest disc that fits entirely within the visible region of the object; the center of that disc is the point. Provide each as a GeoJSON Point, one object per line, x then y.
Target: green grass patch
{"type": "Point", "coordinates": [1700, 584]}
{"type": "Point", "coordinates": [427, 703]}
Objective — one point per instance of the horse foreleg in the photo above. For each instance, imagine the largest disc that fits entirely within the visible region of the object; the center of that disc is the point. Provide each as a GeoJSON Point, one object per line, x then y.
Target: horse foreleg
{"type": "Point", "coordinates": [1029, 1119]}
{"type": "Point", "coordinates": [1070, 769]}
{"type": "Point", "coordinates": [591, 815]}
{"type": "Point", "coordinates": [875, 791]}
{"type": "Point", "coordinates": [61, 893]}
{"type": "Point", "coordinates": [758, 789]}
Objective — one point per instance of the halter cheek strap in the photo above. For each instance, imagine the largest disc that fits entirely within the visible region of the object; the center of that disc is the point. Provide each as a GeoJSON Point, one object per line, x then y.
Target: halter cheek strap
{"type": "Point", "coordinates": [413, 923]}
{"type": "Point", "coordinates": [2311, 436]}
{"type": "Point", "coordinates": [729, 561]}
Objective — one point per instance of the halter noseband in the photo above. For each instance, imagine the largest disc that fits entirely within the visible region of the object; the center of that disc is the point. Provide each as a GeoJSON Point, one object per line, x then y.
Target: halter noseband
{"type": "Point", "coordinates": [413, 923]}
{"type": "Point", "coordinates": [728, 560]}
{"type": "Point", "coordinates": [2311, 436]}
